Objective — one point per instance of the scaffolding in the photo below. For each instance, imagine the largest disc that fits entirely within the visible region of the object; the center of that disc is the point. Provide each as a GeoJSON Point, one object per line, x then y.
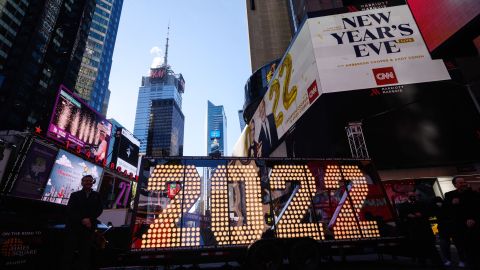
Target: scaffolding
{"type": "Point", "coordinates": [358, 147]}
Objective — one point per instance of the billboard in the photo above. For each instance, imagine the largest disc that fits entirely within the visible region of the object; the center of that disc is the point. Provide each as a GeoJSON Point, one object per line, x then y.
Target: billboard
{"type": "Point", "coordinates": [256, 87]}
{"type": "Point", "coordinates": [66, 176]}
{"type": "Point", "coordinates": [76, 124]}
{"type": "Point", "coordinates": [374, 47]}
{"type": "Point", "coordinates": [158, 73]}
{"type": "Point", "coordinates": [215, 137]}
{"type": "Point", "coordinates": [125, 151]}
{"type": "Point", "coordinates": [34, 172]}
{"type": "Point", "coordinates": [214, 134]}
{"type": "Point", "coordinates": [378, 47]}
{"type": "Point", "coordinates": [397, 190]}
{"type": "Point", "coordinates": [115, 192]}
{"type": "Point", "coordinates": [4, 158]}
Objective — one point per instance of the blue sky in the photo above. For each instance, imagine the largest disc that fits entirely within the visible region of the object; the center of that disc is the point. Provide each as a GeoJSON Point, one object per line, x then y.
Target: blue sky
{"type": "Point", "coordinates": [208, 45]}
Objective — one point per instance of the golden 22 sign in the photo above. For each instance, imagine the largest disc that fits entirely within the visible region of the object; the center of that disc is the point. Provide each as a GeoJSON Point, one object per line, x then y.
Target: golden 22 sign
{"type": "Point", "coordinates": [293, 88]}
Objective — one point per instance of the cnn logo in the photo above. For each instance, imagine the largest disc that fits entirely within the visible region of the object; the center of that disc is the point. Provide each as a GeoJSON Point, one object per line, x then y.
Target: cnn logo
{"type": "Point", "coordinates": [312, 92]}
{"type": "Point", "coordinates": [384, 75]}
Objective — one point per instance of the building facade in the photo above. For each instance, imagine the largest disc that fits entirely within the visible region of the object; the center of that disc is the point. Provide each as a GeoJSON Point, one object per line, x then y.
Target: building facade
{"type": "Point", "coordinates": [159, 121]}
{"type": "Point", "coordinates": [216, 130]}
{"type": "Point", "coordinates": [165, 132]}
{"type": "Point", "coordinates": [11, 16]}
{"type": "Point", "coordinates": [93, 77]}
{"type": "Point", "coordinates": [269, 30]}
{"type": "Point", "coordinates": [42, 43]}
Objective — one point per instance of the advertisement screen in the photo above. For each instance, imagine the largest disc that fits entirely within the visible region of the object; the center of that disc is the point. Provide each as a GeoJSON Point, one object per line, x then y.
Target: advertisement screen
{"type": "Point", "coordinates": [66, 176]}
{"type": "Point", "coordinates": [398, 190]}
{"type": "Point", "coordinates": [115, 192]}
{"type": "Point", "coordinates": [372, 48]}
{"type": "Point", "coordinates": [214, 146]}
{"type": "Point", "coordinates": [75, 123]}
{"type": "Point", "coordinates": [125, 152]}
{"type": "Point", "coordinates": [436, 29]}
{"type": "Point", "coordinates": [35, 170]}
{"type": "Point", "coordinates": [214, 134]}
{"type": "Point", "coordinates": [4, 158]}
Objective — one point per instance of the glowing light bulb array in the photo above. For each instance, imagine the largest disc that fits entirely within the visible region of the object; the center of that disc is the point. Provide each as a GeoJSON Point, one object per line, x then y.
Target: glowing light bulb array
{"type": "Point", "coordinates": [345, 226]}
{"type": "Point", "coordinates": [290, 225]}
{"type": "Point", "coordinates": [164, 233]}
{"type": "Point", "coordinates": [239, 235]}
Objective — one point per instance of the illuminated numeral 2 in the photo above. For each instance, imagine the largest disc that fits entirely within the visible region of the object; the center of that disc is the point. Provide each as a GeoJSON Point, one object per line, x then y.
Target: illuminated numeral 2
{"type": "Point", "coordinates": [346, 219]}
{"type": "Point", "coordinates": [289, 225]}
{"type": "Point", "coordinates": [164, 231]}
{"type": "Point", "coordinates": [288, 95]}
{"type": "Point", "coordinates": [224, 233]}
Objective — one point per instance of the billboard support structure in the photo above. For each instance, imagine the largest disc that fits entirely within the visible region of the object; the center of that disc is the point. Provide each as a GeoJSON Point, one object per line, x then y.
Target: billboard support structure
{"type": "Point", "coordinates": [358, 147]}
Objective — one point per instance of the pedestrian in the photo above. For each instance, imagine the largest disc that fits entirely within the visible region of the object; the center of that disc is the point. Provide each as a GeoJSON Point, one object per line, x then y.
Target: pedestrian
{"type": "Point", "coordinates": [462, 207]}
{"type": "Point", "coordinates": [83, 209]}
{"type": "Point", "coordinates": [444, 230]}
{"type": "Point", "coordinates": [414, 217]}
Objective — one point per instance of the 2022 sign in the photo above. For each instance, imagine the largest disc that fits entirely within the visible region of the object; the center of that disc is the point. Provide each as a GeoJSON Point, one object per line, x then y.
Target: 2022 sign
{"type": "Point", "coordinates": [231, 224]}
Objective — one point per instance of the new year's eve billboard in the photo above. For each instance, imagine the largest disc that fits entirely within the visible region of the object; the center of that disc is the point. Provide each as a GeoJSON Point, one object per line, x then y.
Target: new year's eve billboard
{"type": "Point", "coordinates": [77, 125]}
{"type": "Point", "coordinates": [374, 47]}
{"type": "Point", "coordinates": [66, 176]}
{"type": "Point", "coordinates": [342, 52]}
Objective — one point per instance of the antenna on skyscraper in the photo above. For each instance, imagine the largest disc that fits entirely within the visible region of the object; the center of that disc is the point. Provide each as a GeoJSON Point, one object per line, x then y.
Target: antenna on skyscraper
{"type": "Point", "coordinates": [165, 60]}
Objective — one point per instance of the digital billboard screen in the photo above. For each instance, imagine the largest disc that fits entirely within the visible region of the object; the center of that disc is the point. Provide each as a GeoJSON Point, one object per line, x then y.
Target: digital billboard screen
{"type": "Point", "coordinates": [75, 123]}
{"type": "Point", "coordinates": [66, 176]}
{"type": "Point", "coordinates": [115, 192]}
{"type": "Point", "coordinates": [214, 134]}
{"type": "Point", "coordinates": [34, 171]}
{"type": "Point", "coordinates": [125, 151]}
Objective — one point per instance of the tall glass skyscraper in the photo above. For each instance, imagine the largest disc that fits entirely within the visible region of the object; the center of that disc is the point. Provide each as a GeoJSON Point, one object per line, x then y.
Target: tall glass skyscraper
{"type": "Point", "coordinates": [159, 121]}
{"type": "Point", "coordinates": [41, 47]}
{"type": "Point", "coordinates": [93, 78]}
{"type": "Point", "coordinates": [165, 132]}
{"type": "Point", "coordinates": [216, 130]}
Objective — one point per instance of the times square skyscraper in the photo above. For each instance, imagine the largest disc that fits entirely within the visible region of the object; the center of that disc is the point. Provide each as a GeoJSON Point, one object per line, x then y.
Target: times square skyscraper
{"type": "Point", "coordinates": [159, 121]}
{"type": "Point", "coordinates": [216, 130]}
{"type": "Point", "coordinates": [93, 77]}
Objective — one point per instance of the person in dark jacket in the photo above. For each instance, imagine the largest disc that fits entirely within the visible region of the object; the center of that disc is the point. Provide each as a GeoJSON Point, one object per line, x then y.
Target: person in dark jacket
{"type": "Point", "coordinates": [444, 230]}
{"type": "Point", "coordinates": [462, 207]}
{"type": "Point", "coordinates": [84, 207]}
{"type": "Point", "coordinates": [414, 217]}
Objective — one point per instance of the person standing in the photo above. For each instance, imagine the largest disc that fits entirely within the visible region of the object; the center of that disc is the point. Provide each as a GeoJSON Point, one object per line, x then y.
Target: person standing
{"type": "Point", "coordinates": [414, 217]}
{"type": "Point", "coordinates": [444, 226]}
{"type": "Point", "coordinates": [253, 148]}
{"type": "Point", "coordinates": [268, 136]}
{"type": "Point", "coordinates": [83, 209]}
{"type": "Point", "coordinates": [462, 206]}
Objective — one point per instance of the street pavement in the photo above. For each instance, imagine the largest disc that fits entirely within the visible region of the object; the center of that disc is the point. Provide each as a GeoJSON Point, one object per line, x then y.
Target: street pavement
{"type": "Point", "coordinates": [371, 262]}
